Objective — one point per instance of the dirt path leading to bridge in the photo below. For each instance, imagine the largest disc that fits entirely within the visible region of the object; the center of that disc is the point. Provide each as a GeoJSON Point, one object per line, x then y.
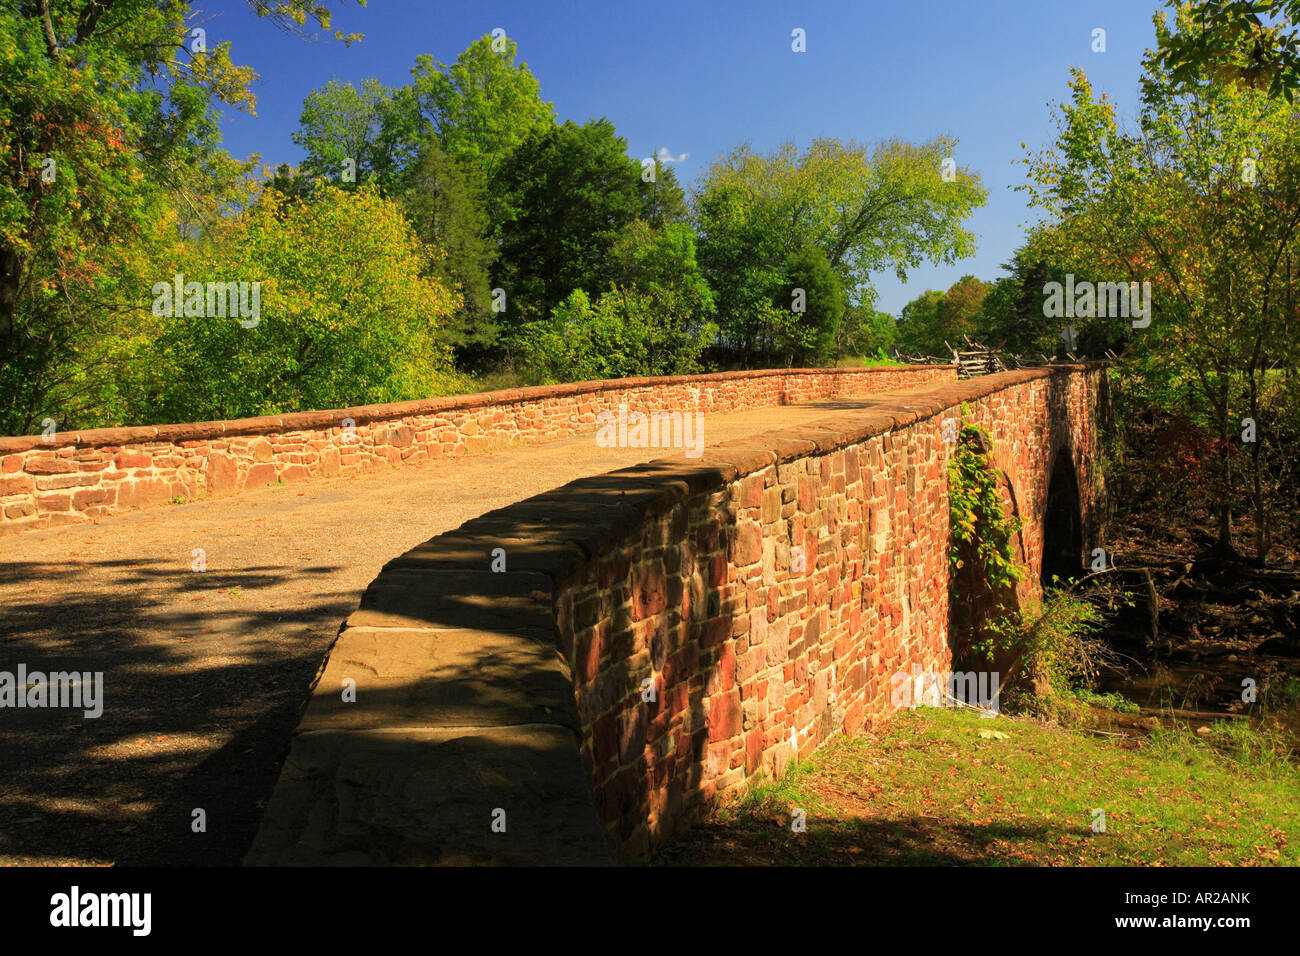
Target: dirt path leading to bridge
{"type": "Point", "coordinates": [205, 671]}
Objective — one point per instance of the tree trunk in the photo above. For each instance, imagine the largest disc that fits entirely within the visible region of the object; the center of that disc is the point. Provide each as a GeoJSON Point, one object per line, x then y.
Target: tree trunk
{"type": "Point", "coordinates": [10, 280]}
{"type": "Point", "coordinates": [1263, 539]}
{"type": "Point", "coordinates": [1223, 545]}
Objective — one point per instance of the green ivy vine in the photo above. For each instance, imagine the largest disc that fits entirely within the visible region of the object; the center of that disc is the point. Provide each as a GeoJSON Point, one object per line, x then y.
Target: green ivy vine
{"type": "Point", "coordinates": [982, 543]}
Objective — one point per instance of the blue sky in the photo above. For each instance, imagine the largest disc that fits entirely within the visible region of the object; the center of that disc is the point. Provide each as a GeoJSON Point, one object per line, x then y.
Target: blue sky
{"type": "Point", "coordinates": [702, 77]}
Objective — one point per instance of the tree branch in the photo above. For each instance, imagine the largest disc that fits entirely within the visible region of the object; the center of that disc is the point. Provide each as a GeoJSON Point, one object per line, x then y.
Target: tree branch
{"type": "Point", "coordinates": [51, 41]}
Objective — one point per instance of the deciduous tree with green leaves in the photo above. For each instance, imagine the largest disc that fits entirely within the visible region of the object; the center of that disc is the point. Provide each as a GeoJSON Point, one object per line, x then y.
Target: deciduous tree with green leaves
{"type": "Point", "coordinates": [483, 105]}
{"type": "Point", "coordinates": [573, 189]}
{"type": "Point", "coordinates": [1251, 42]}
{"type": "Point", "coordinates": [370, 133]}
{"type": "Point", "coordinates": [347, 315]}
{"type": "Point", "coordinates": [1203, 201]}
{"type": "Point", "coordinates": [106, 114]}
{"type": "Point", "coordinates": [865, 208]}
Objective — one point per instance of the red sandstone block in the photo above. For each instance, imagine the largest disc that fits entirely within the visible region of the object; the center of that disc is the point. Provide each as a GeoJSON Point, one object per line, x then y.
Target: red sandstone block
{"type": "Point", "coordinates": [722, 675]}
{"type": "Point", "coordinates": [12, 463]}
{"type": "Point", "coordinates": [853, 718]}
{"type": "Point", "coordinates": [717, 758]}
{"type": "Point", "coordinates": [86, 497]}
{"type": "Point", "coordinates": [133, 460]}
{"type": "Point", "coordinates": [680, 667]}
{"type": "Point", "coordinates": [749, 663]}
{"type": "Point", "coordinates": [717, 570]}
{"type": "Point", "coordinates": [17, 485]}
{"type": "Point", "coordinates": [142, 492]}
{"type": "Point", "coordinates": [724, 716]}
{"type": "Point", "coordinates": [715, 631]}
{"type": "Point", "coordinates": [748, 548]}
{"type": "Point", "coordinates": [649, 590]}
{"type": "Point", "coordinates": [753, 750]}
{"type": "Point", "coordinates": [59, 482]}
{"type": "Point", "coordinates": [591, 644]}
{"type": "Point", "coordinates": [604, 737]}
{"type": "Point", "coordinates": [54, 502]}
{"type": "Point", "coordinates": [262, 473]}
{"type": "Point", "coordinates": [632, 732]}
{"type": "Point", "coordinates": [48, 466]}
{"type": "Point", "coordinates": [675, 701]}
{"type": "Point", "coordinates": [295, 473]}
{"type": "Point", "coordinates": [613, 569]}
{"type": "Point", "coordinates": [20, 509]}
{"type": "Point", "coordinates": [806, 497]}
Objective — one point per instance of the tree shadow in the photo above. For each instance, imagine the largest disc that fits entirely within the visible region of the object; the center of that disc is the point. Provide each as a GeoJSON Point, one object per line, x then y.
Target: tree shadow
{"type": "Point", "coordinates": [758, 840]}
{"type": "Point", "coordinates": [196, 703]}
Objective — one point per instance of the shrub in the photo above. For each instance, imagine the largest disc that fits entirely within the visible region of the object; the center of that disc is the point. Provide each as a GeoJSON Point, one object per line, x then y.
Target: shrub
{"type": "Point", "coordinates": [347, 318]}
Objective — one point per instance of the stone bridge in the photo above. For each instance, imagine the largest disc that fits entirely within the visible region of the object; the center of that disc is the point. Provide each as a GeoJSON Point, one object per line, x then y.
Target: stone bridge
{"type": "Point", "coordinates": [566, 678]}
{"type": "Point", "coordinates": [571, 678]}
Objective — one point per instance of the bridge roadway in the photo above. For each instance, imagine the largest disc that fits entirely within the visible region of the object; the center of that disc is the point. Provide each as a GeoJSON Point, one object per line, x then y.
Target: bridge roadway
{"type": "Point", "coordinates": [205, 671]}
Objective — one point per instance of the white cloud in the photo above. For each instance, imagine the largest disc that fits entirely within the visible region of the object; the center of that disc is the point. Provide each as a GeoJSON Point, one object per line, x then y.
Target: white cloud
{"type": "Point", "coordinates": [667, 157]}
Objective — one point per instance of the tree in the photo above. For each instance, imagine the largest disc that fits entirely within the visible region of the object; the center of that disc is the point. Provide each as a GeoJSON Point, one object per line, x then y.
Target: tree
{"type": "Point", "coordinates": [573, 190]}
{"type": "Point", "coordinates": [625, 332]}
{"type": "Point", "coordinates": [958, 309]}
{"type": "Point", "coordinates": [918, 325]}
{"type": "Point", "coordinates": [653, 318]}
{"type": "Point", "coordinates": [809, 337]}
{"type": "Point", "coordinates": [1204, 203]}
{"type": "Point", "coordinates": [865, 331]}
{"type": "Point", "coordinates": [663, 201]}
{"type": "Point", "coordinates": [345, 315]}
{"type": "Point", "coordinates": [289, 182]}
{"type": "Point", "coordinates": [367, 134]}
{"type": "Point", "coordinates": [1013, 313]}
{"type": "Point", "coordinates": [661, 262]}
{"type": "Point", "coordinates": [744, 248]}
{"type": "Point", "coordinates": [865, 209]}
{"type": "Point", "coordinates": [482, 106]}
{"type": "Point", "coordinates": [1231, 41]}
{"type": "Point", "coordinates": [446, 205]}
{"type": "Point", "coordinates": [106, 110]}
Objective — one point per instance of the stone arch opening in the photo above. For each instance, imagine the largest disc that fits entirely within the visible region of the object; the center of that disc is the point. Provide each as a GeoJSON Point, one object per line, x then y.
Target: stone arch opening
{"type": "Point", "coordinates": [1062, 523]}
{"type": "Point", "coordinates": [978, 599]}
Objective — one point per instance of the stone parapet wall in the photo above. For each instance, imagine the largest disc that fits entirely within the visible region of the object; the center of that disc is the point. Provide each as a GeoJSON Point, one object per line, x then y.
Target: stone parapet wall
{"type": "Point", "coordinates": [80, 476]}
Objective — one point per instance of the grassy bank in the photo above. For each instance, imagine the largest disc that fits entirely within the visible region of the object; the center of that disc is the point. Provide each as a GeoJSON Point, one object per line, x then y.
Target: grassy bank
{"type": "Point", "coordinates": [941, 787]}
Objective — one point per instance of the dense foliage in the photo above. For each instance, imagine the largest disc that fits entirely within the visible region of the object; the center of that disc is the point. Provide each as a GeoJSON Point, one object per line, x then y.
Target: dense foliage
{"type": "Point", "coordinates": [1201, 200]}
{"type": "Point", "coordinates": [447, 224]}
